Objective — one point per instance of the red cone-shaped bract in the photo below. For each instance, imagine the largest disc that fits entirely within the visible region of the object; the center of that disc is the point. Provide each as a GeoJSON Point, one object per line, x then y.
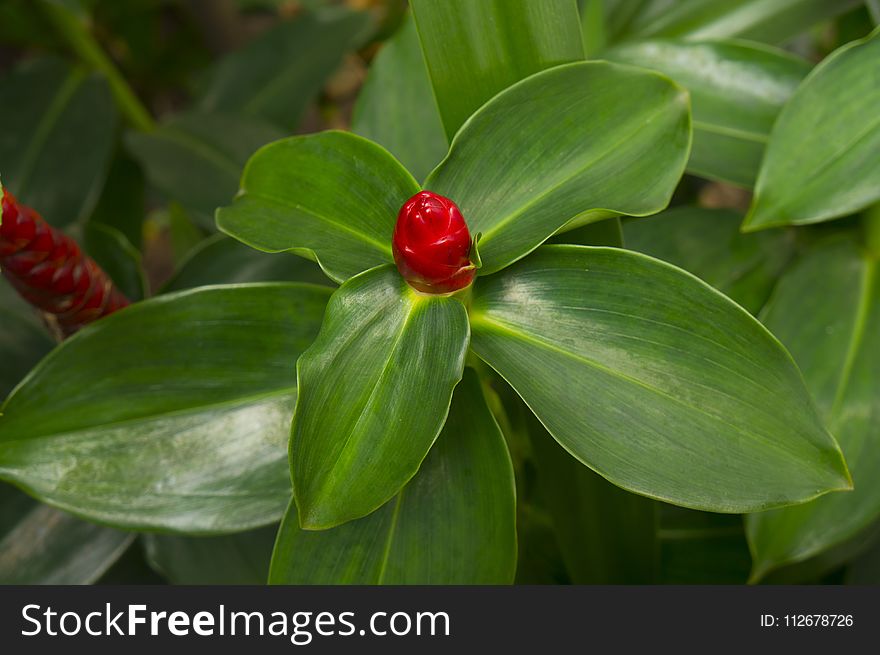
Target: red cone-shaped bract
{"type": "Point", "coordinates": [432, 244]}
{"type": "Point", "coordinates": [48, 269]}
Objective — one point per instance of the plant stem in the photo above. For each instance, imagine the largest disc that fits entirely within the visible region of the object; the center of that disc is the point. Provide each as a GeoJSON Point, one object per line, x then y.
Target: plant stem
{"type": "Point", "coordinates": [87, 49]}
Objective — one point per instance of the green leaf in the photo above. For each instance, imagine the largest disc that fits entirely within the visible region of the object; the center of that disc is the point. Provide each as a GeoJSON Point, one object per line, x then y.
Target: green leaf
{"type": "Point", "coordinates": [171, 414]}
{"type": "Point", "coordinates": [772, 21]}
{"type": "Point", "coordinates": [279, 73]}
{"type": "Point", "coordinates": [737, 90]}
{"type": "Point", "coordinates": [196, 158]}
{"type": "Point", "coordinates": [241, 558]}
{"type": "Point", "coordinates": [708, 243]}
{"type": "Point", "coordinates": [821, 162]}
{"type": "Point", "coordinates": [396, 106]}
{"type": "Point", "coordinates": [473, 50]}
{"type": "Point", "coordinates": [42, 545]}
{"type": "Point", "coordinates": [454, 523]}
{"type": "Point", "coordinates": [221, 260]}
{"type": "Point", "coordinates": [837, 344]}
{"type": "Point", "coordinates": [331, 196]}
{"type": "Point", "coordinates": [119, 259]}
{"type": "Point", "coordinates": [23, 340]}
{"type": "Point", "coordinates": [58, 130]}
{"type": "Point", "coordinates": [608, 232]}
{"type": "Point", "coordinates": [559, 145]}
{"type": "Point", "coordinates": [826, 564]}
{"type": "Point", "coordinates": [655, 380]}
{"type": "Point", "coordinates": [374, 391]}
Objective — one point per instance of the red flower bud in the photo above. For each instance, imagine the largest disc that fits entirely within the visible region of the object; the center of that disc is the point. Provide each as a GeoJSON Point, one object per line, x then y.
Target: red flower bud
{"type": "Point", "coordinates": [432, 244]}
{"type": "Point", "coordinates": [48, 269]}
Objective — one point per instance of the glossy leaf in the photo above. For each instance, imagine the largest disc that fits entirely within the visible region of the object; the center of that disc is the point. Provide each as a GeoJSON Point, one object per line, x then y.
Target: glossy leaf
{"type": "Point", "coordinates": [172, 414]}
{"type": "Point", "coordinates": [708, 243]}
{"type": "Point", "coordinates": [42, 545]}
{"type": "Point", "coordinates": [473, 50]}
{"type": "Point", "coordinates": [454, 523]}
{"type": "Point", "coordinates": [396, 106]}
{"type": "Point", "coordinates": [772, 21]}
{"type": "Point", "coordinates": [58, 130]}
{"type": "Point", "coordinates": [221, 260]}
{"type": "Point", "coordinates": [737, 90]}
{"type": "Point", "coordinates": [827, 564]}
{"type": "Point", "coordinates": [374, 392]}
{"type": "Point", "coordinates": [331, 196]}
{"type": "Point", "coordinates": [655, 380]}
{"type": "Point", "coordinates": [836, 341]}
{"type": "Point", "coordinates": [562, 144]}
{"type": "Point", "coordinates": [241, 558]}
{"type": "Point", "coordinates": [196, 158]}
{"type": "Point", "coordinates": [822, 161]}
{"type": "Point", "coordinates": [275, 76]}
{"type": "Point", "coordinates": [601, 233]}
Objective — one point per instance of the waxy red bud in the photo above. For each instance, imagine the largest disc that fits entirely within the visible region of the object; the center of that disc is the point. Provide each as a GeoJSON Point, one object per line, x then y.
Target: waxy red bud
{"type": "Point", "coordinates": [48, 269]}
{"type": "Point", "coordinates": [432, 244]}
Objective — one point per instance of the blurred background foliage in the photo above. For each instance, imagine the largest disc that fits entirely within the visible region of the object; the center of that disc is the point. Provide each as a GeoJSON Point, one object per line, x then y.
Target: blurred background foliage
{"type": "Point", "coordinates": [128, 123]}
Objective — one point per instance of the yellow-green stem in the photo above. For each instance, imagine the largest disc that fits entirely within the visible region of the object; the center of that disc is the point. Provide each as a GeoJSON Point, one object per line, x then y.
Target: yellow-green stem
{"type": "Point", "coordinates": [83, 44]}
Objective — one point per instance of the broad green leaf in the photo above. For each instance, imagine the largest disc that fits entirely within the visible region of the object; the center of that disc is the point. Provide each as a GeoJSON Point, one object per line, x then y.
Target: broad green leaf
{"type": "Point", "coordinates": [607, 535]}
{"type": "Point", "coordinates": [241, 558]}
{"type": "Point", "coordinates": [827, 564]}
{"type": "Point", "coordinates": [196, 158]}
{"type": "Point", "coordinates": [221, 260]}
{"type": "Point", "coordinates": [655, 380]}
{"type": "Point", "coordinates": [601, 233]}
{"type": "Point", "coordinates": [454, 523]}
{"type": "Point", "coordinates": [836, 342]}
{"type": "Point", "coordinates": [42, 545]}
{"type": "Point", "coordinates": [396, 106]}
{"type": "Point", "coordinates": [374, 392]}
{"type": "Point", "coordinates": [822, 160]}
{"type": "Point", "coordinates": [119, 259]}
{"type": "Point", "coordinates": [332, 196]}
{"type": "Point", "coordinates": [278, 74]}
{"type": "Point", "coordinates": [58, 130]}
{"type": "Point", "coordinates": [562, 144]}
{"type": "Point", "coordinates": [172, 414]}
{"type": "Point", "coordinates": [473, 50]}
{"type": "Point", "coordinates": [772, 21]}
{"type": "Point", "coordinates": [23, 340]}
{"type": "Point", "coordinates": [708, 243]}
{"type": "Point", "coordinates": [737, 90]}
